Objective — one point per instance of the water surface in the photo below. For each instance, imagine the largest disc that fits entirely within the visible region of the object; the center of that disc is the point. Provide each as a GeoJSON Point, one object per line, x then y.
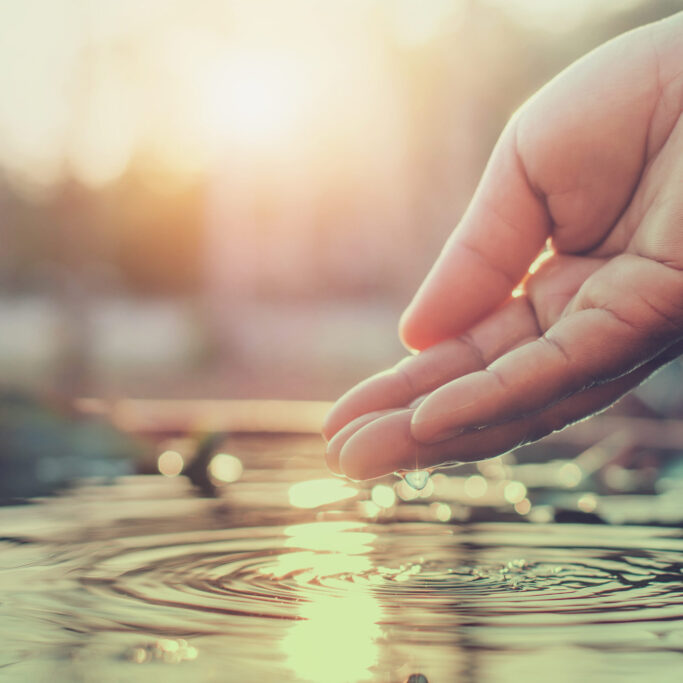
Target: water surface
{"type": "Point", "coordinates": [278, 579]}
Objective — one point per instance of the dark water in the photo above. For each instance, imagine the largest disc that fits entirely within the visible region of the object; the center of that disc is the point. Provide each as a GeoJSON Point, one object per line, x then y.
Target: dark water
{"type": "Point", "coordinates": [280, 580]}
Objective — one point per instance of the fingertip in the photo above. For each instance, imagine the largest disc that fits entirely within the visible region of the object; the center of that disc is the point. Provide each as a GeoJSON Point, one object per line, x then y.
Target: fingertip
{"type": "Point", "coordinates": [345, 409]}
{"type": "Point", "coordinates": [354, 470]}
{"type": "Point", "coordinates": [354, 467]}
{"type": "Point", "coordinates": [329, 428]}
{"type": "Point", "coordinates": [333, 451]}
{"type": "Point", "coordinates": [411, 332]}
{"type": "Point", "coordinates": [337, 417]}
{"type": "Point", "coordinates": [332, 457]}
{"type": "Point", "coordinates": [403, 329]}
{"type": "Point", "coordinates": [380, 447]}
{"type": "Point", "coordinates": [336, 444]}
{"type": "Point", "coordinates": [382, 391]}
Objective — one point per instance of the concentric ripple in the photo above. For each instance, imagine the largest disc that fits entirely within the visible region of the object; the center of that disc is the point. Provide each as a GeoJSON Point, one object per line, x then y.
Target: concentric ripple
{"type": "Point", "coordinates": [420, 574]}
{"type": "Point", "coordinates": [107, 579]}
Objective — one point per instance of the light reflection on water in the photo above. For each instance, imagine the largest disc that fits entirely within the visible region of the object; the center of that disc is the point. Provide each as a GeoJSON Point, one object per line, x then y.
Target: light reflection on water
{"type": "Point", "coordinates": [337, 637]}
{"type": "Point", "coordinates": [144, 579]}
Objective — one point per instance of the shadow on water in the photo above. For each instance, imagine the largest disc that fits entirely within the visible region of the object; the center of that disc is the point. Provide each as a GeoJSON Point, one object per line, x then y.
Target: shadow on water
{"type": "Point", "coordinates": [274, 579]}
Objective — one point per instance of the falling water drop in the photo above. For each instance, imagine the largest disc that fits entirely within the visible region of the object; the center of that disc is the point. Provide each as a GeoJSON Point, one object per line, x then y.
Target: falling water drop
{"type": "Point", "coordinates": [416, 479]}
{"type": "Point", "coordinates": [417, 678]}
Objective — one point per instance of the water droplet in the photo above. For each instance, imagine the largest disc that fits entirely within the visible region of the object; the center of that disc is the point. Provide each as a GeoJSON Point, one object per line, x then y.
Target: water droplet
{"type": "Point", "coordinates": [417, 479]}
{"type": "Point", "coordinates": [417, 678]}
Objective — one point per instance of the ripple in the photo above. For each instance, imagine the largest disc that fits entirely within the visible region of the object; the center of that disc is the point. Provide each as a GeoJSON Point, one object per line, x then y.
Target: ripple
{"type": "Point", "coordinates": [112, 581]}
{"type": "Point", "coordinates": [489, 575]}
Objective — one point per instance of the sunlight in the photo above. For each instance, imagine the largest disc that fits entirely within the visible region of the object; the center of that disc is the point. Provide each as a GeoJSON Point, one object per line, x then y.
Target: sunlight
{"type": "Point", "coordinates": [317, 492]}
{"type": "Point", "coordinates": [274, 83]}
{"type": "Point", "coordinates": [253, 99]}
{"type": "Point", "coordinates": [305, 567]}
{"type": "Point", "coordinates": [417, 22]}
{"type": "Point", "coordinates": [336, 640]}
{"type": "Point", "coordinates": [323, 550]}
{"type": "Point", "coordinates": [336, 636]}
{"type": "Point", "coordinates": [344, 537]}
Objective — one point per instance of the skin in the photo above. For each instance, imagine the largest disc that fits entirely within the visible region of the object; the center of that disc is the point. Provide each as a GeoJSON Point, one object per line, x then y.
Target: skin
{"type": "Point", "coordinates": [562, 286]}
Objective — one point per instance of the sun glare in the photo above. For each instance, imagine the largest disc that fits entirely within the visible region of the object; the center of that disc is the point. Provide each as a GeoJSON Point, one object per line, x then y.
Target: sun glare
{"type": "Point", "coordinates": [89, 88]}
{"type": "Point", "coordinates": [335, 637]}
{"type": "Point", "coordinates": [253, 99]}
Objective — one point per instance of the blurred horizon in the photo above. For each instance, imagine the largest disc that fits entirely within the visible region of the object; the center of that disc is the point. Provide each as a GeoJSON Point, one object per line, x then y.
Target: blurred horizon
{"type": "Point", "coordinates": [237, 199]}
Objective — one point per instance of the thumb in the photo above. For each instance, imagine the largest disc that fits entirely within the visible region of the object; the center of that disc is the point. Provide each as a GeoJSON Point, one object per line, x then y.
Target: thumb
{"type": "Point", "coordinates": [487, 255]}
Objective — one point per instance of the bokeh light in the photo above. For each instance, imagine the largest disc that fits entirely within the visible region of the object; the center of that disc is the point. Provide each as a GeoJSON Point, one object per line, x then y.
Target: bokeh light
{"type": "Point", "coordinates": [588, 502]}
{"type": "Point", "coordinates": [475, 486]}
{"type": "Point", "coordinates": [383, 495]}
{"type": "Point", "coordinates": [523, 507]}
{"type": "Point", "coordinates": [514, 492]}
{"type": "Point", "coordinates": [570, 475]}
{"type": "Point", "coordinates": [442, 512]}
{"type": "Point", "coordinates": [225, 468]}
{"type": "Point", "coordinates": [170, 463]}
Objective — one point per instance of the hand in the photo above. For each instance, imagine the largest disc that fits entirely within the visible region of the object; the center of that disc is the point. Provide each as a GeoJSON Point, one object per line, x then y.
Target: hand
{"type": "Point", "coordinates": [562, 286]}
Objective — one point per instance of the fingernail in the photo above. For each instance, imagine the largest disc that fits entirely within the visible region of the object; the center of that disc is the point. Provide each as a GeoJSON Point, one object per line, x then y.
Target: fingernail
{"type": "Point", "coordinates": [435, 426]}
{"type": "Point", "coordinates": [402, 324]}
{"type": "Point", "coordinates": [327, 430]}
{"type": "Point", "coordinates": [333, 466]}
{"type": "Point", "coordinates": [332, 452]}
{"type": "Point", "coordinates": [446, 413]}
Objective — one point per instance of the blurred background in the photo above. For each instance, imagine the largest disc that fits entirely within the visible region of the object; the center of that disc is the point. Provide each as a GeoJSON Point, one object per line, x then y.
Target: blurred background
{"type": "Point", "coordinates": [236, 198]}
{"type": "Point", "coordinates": [207, 201]}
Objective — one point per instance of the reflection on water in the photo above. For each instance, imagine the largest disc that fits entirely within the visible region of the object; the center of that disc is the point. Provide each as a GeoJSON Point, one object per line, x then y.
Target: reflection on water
{"type": "Point", "coordinates": [337, 637]}
{"type": "Point", "coordinates": [316, 492]}
{"type": "Point", "coordinates": [291, 577]}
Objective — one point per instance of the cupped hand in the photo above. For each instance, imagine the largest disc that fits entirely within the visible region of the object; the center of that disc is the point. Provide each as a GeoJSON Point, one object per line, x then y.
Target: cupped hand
{"type": "Point", "coordinates": [562, 286]}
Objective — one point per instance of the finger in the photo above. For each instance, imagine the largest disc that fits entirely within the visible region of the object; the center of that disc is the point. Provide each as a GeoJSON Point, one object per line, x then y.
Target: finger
{"type": "Point", "coordinates": [487, 255]}
{"type": "Point", "coordinates": [417, 375]}
{"type": "Point", "coordinates": [549, 288]}
{"type": "Point", "coordinates": [335, 445]}
{"type": "Point", "coordinates": [585, 347]}
{"type": "Point", "coordinates": [387, 445]}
